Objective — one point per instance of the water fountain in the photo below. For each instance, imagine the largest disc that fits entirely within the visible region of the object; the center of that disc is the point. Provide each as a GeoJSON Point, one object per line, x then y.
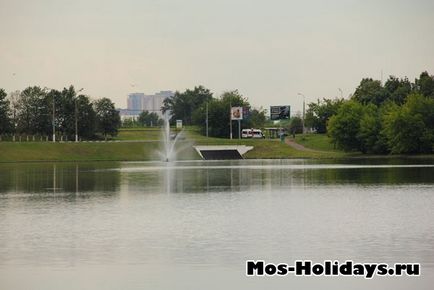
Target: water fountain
{"type": "Point", "coordinates": [168, 152]}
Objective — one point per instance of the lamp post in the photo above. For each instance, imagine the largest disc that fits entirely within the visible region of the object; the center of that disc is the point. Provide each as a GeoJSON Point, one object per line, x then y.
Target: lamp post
{"type": "Point", "coordinates": [303, 110]}
{"type": "Point", "coordinates": [342, 93]}
{"type": "Point", "coordinates": [54, 114]}
{"type": "Point", "coordinates": [206, 119]}
{"type": "Point", "coordinates": [76, 115]}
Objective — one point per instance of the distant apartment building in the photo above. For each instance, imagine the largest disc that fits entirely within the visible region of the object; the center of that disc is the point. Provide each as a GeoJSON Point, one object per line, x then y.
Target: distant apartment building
{"type": "Point", "coordinates": [139, 102]}
{"type": "Point", "coordinates": [135, 103]}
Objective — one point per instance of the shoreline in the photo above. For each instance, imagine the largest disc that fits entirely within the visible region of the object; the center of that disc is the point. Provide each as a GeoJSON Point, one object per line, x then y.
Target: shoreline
{"type": "Point", "coordinates": [146, 151]}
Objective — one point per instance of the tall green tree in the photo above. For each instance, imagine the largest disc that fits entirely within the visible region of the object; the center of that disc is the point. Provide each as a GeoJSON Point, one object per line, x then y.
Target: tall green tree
{"type": "Point", "coordinates": [344, 127]}
{"type": "Point", "coordinates": [183, 105]}
{"type": "Point", "coordinates": [149, 119]}
{"type": "Point", "coordinates": [370, 91]}
{"type": "Point", "coordinates": [219, 114]}
{"type": "Point", "coordinates": [398, 89]}
{"type": "Point", "coordinates": [33, 111]}
{"type": "Point", "coordinates": [295, 125]}
{"type": "Point", "coordinates": [425, 84]}
{"type": "Point", "coordinates": [410, 128]}
{"type": "Point", "coordinates": [370, 136]}
{"type": "Point", "coordinates": [107, 117]}
{"type": "Point", "coordinates": [86, 117]}
{"type": "Point", "coordinates": [319, 113]}
{"type": "Point", "coordinates": [5, 118]}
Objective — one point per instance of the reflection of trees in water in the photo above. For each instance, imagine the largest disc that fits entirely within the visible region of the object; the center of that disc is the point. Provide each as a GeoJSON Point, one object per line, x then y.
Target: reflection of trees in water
{"type": "Point", "coordinates": [59, 178]}
{"type": "Point", "coordinates": [100, 178]}
{"type": "Point", "coordinates": [244, 179]}
{"type": "Point", "coordinates": [371, 175]}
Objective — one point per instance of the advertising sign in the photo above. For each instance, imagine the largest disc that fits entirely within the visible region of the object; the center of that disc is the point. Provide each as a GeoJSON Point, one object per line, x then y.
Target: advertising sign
{"type": "Point", "coordinates": [236, 113]}
{"type": "Point", "coordinates": [279, 112]}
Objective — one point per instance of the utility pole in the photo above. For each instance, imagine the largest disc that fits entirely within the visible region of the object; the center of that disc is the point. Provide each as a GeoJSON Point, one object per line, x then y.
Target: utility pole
{"type": "Point", "coordinates": [303, 110]}
{"type": "Point", "coordinates": [230, 118]}
{"type": "Point", "coordinates": [239, 129]}
{"type": "Point", "coordinates": [54, 118]}
{"type": "Point", "coordinates": [76, 116]}
{"type": "Point", "coordinates": [207, 119]}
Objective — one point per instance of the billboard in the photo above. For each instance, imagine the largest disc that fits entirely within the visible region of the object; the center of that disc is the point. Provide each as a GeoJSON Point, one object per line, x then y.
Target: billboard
{"type": "Point", "coordinates": [236, 113]}
{"type": "Point", "coordinates": [279, 112]}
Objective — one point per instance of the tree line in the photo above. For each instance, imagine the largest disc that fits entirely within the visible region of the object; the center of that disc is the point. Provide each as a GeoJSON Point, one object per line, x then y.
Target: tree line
{"type": "Point", "coordinates": [145, 119]}
{"type": "Point", "coordinates": [35, 111]}
{"type": "Point", "coordinates": [193, 105]}
{"type": "Point", "coordinates": [395, 117]}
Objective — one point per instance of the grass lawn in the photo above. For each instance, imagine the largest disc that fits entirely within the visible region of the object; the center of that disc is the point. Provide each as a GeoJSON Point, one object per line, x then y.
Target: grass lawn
{"type": "Point", "coordinates": [146, 147]}
{"type": "Point", "coordinates": [263, 148]}
{"type": "Point", "coordinates": [139, 134]}
{"type": "Point", "coordinates": [47, 151]}
{"type": "Point", "coordinates": [319, 142]}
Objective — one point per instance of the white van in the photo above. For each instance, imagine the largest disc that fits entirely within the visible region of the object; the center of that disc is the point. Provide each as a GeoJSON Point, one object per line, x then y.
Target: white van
{"type": "Point", "coordinates": [246, 133]}
{"type": "Point", "coordinates": [252, 133]}
{"type": "Point", "coordinates": [256, 133]}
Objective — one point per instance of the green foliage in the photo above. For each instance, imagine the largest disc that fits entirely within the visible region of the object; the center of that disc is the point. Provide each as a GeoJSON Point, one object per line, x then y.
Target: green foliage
{"type": "Point", "coordinates": [397, 89]}
{"type": "Point", "coordinates": [149, 119]}
{"type": "Point", "coordinates": [410, 128]}
{"type": "Point", "coordinates": [33, 111]}
{"type": "Point", "coordinates": [371, 139]}
{"type": "Point", "coordinates": [318, 114]}
{"type": "Point", "coordinates": [219, 114]}
{"type": "Point", "coordinates": [107, 117]}
{"type": "Point", "coordinates": [295, 125]}
{"type": "Point", "coordinates": [344, 127]}
{"type": "Point", "coordinates": [370, 91]}
{"type": "Point", "coordinates": [86, 117]}
{"type": "Point", "coordinates": [182, 106]}
{"type": "Point", "coordinates": [425, 85]}
{"type": "Point", "coordinates": [5, 119]}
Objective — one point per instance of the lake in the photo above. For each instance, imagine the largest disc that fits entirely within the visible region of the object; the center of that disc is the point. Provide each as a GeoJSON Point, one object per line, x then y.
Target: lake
{"type": "Point", "coordinates": [193, 225]}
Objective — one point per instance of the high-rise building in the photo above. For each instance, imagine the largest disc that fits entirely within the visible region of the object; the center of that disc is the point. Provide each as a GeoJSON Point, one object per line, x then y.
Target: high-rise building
{"type": "Point", "coordinates": [135, 103]}
{"type": "Point", "coordinates": [138, 102]}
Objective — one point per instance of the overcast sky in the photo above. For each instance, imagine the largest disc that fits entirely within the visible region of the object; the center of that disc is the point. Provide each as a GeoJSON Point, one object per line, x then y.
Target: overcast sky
{"type": "Point", "coordinates": [268, 50]}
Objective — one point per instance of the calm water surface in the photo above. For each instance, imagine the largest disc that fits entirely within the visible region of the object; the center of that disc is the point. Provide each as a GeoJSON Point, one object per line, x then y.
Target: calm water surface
{"type": "Point", "coordinates": [192, 225]}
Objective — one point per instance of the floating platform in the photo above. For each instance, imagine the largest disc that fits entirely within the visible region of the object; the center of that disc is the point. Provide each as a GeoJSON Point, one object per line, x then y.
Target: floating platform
{"type": "Point", "coordinates": [222, 152]}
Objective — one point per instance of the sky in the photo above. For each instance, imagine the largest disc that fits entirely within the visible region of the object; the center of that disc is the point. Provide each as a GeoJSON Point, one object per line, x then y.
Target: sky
{"type": "Point", "coordinates": [269, 50]}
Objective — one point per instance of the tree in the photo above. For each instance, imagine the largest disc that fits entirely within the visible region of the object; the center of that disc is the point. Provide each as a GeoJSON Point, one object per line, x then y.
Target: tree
{"type": "Point", "coordinates": [33, 111]}
{"type": "Point", "coordinates": [410, 128]}
{"type": "Point", "coordinates": [149, 119]}
{"type": "Point", "coordinates": [370, 135]}
{"type": "Point", "coordinates": [344, 127]}
{"type": "Point", "coordinates": [5, 118]}
{"type": "Point", "coordinates": [107, 117]}
{"type": "Point", "coordinates": [255, 119]}
{"type": "Point", "coordinates": [219, 114]}
{"type": "Point", "coordinates": [183, 105]}
{"type": "Point", "coordinates": [295, 125]}
{"type": "Point", "coordinates": [370, 91]}
{"type": "Point", "coordinates": [318, 114]}
{"type": "Point", "coordinates": [425, 84]}
{"type": "Point", "coordinates": [86, 117]}
{"type": "Point", "coordinates": [398, 89]}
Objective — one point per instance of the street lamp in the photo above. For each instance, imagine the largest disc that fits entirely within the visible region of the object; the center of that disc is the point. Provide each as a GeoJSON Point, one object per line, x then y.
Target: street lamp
{"type": "Point", "coordinates": [76, 115]}
{"type": "Point", "coordinates": [300, 94]}
{"type": "Point", "coordinates": [342, 93]}
{"type": "Point", "coordinates": [54, 116]}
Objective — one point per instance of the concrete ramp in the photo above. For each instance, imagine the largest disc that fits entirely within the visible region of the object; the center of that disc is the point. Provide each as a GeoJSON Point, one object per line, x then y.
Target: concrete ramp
{"type": "Point", "coordinates": [222, 152]}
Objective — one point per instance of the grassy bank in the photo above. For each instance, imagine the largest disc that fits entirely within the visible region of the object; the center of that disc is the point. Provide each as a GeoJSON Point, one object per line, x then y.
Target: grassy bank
{"type": "Point", "coordinates": [142, 144]}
